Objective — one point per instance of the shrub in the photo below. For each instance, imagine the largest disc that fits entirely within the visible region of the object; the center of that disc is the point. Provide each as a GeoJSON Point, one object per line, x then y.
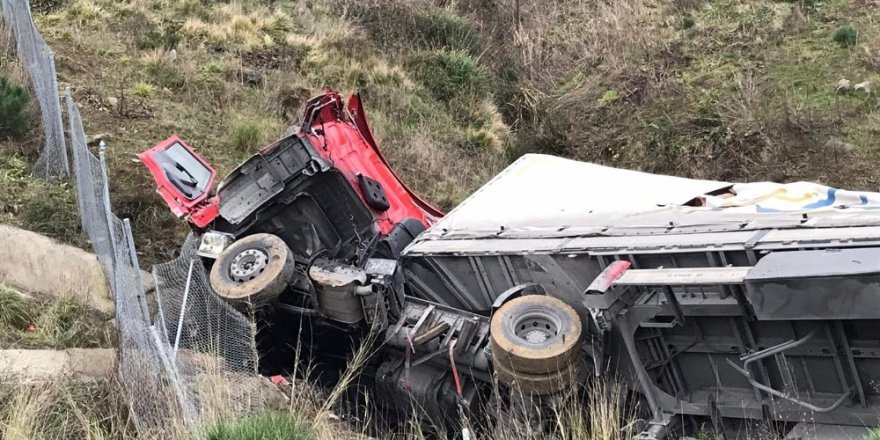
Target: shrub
{"type": "Point", "coordinates": [165, 74]}
{"type": "Point", "coordinates": [46, 6]}
{"type": "Point", "coordinates": [267, 426]}
{"type": "Point", "coordinates": [85, 12]}
{"type": "Point", "coordinates": [479, 140]}
{"type": "Point", "coordinates": [152, 36]}
{"type": "Point", "coordinates": [244, 134]}
{"type": "Point", "coordinates": [142, 89]}
{"type": "Point", "coordinates": [804, 5]}
{"type": "Point", "coordinates": [14, 115]}
{"type": "Point", "coordinates": [443, 29]}
{"type": "Point", "coordinates": [687, 22]}
{"type": "Point", "coordinates": [846, 35]}
{"type": "Point", "coordinates": [396, 25]}
{"type": "Point", "coordinates": [449, 75]}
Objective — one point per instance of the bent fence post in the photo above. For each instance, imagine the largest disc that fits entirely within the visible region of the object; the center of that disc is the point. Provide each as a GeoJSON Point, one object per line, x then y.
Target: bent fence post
{"type": "Point", "coordinates": [182, 310]}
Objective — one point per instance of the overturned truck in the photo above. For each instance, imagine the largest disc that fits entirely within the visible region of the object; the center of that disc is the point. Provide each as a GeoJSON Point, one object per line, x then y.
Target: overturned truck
{"type": "Point", "coordinates": [712, 301]}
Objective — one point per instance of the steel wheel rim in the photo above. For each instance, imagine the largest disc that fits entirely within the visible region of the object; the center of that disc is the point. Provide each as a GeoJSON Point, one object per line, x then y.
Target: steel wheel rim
{"type": "Point", "coordinates": [248, 264]}
{"type": "Point", "coordinates": [536, 328]}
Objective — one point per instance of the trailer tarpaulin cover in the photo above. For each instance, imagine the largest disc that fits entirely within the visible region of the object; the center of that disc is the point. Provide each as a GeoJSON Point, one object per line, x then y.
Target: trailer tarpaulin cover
{"type": "Point", "coordinates": [540, 195]}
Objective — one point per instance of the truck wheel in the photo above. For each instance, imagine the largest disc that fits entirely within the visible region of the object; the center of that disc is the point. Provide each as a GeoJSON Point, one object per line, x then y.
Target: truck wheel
{"type": "Point", "coordinates": [255, 270]}
{"type": "Point", "coordinates": [546, 383]}
{"type": "Point", "coordinates": [535, 334]}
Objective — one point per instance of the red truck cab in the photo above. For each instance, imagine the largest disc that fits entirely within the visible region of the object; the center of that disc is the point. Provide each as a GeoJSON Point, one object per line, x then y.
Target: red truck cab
{"type": "Point", "coordinates": [333, 138]}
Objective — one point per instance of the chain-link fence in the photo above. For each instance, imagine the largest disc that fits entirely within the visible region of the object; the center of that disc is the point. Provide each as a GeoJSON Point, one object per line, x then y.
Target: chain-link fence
{"type": "Point", "coordinates": [148, 382]}
{"type": "Point", "coordinates": [197, 359]}
{"type": "Point", "coordinates": [190, 357]}
{"type": "Point", "coordinates": [210, 343]}
{"type": "Point", "coordinates": [39, 61]}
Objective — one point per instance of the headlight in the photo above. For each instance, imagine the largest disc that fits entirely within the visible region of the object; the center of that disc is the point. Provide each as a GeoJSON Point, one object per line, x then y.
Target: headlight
{"type": "Point", "coordinates": [213, 243]}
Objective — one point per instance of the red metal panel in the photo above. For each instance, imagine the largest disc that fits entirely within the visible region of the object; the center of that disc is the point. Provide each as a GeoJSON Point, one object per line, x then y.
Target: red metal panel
{"type": "Point", "coordinates": [200, 210]}
{"type": "Point", "coordinates": [350, 148]}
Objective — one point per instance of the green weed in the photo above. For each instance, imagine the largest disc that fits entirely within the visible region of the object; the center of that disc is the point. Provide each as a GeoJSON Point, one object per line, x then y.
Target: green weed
{"type": "Point", "coordinates": [416, 28]}
{"type": "Point", "coordinates": [49, 209]}
{"type": "Point", "coordinates": [142, 89]}
{"type": "Point", "coordinates": [265, 426]}
{"type": "Point", "coordinates": [687, 22]}
{"type": "Point", "coordinates": [244, 135]}
{"type": "Point", "coordinates": [65, 410]}
{"type": "Point", "coordinates": [449, 75]}
{"type": "Point", "coordinates": [68, 323]}
{"type": "Point", "coordinates": [59, 324]}
{"type": "Point", "coordinates": [14, 314]}
{"type": "Point", "coordinates": [608, 97]}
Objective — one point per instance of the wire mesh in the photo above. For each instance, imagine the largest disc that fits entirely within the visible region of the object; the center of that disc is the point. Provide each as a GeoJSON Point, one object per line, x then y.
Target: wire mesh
{"type": "Point", "coordinates": [148, 384]}
{"type": "Point", "coordinates": [170, 387]}
{"type": "Point", "coordinates": [213, 346]}
{"type": "Point", "coordinates": [39, 62]}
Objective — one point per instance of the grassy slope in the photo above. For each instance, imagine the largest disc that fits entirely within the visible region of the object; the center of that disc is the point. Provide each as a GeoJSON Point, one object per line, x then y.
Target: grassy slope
{"type": "Point", "coordinates": [724, 89]}
{"type": "Point", "coordinates": [117, 59]}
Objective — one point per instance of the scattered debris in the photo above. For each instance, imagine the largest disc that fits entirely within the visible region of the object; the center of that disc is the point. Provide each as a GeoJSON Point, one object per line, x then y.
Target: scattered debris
{"type": "Point", "coordinates": [96, 139]}
{"type": "Point", "coordinates": [843, 86]}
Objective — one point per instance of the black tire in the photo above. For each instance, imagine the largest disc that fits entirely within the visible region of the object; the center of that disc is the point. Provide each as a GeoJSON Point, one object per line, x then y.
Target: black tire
{"type": "Point", "coordinates": [535, 334]}
{"type": "Point", "coordinates": [258, 281]}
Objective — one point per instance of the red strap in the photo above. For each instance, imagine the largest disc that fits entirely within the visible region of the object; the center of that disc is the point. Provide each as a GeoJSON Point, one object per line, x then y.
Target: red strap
{"type": "Point", "coordinates": [608, 276]}
{"type": "Point", "coordinates": [454, 369]}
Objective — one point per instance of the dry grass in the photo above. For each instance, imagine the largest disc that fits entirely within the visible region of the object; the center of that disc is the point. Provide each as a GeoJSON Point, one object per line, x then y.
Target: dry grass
{"type": "Point", "coordinates": [556, 40]}
{"type": "Point", "coordinates": [595, 412]}
{"type": "Point", "coordinates": [60, 323]}
{"type": "Point", "coordinates": [64, 410]}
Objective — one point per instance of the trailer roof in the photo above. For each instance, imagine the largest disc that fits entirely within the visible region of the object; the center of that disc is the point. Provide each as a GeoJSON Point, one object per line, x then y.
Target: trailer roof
{"type": "Point", "coordinates": [541, 196]}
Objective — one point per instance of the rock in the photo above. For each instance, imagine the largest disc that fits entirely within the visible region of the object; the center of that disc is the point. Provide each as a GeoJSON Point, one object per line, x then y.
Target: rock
{"type": "Point", "coordinates": [251, 77]}
{"type": "Point", "coordinates": [838, 146]}
{"type": "Point", "coordinates": [843, 86]}
{"type": "Point", "coordinates": [863, 87]}
{"type": "Point", "coordinates": [30, 366]}
{"type": "Point", "coordinates": [113, 101]}
{"type": "Point", "coordinates": [36, 263]}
